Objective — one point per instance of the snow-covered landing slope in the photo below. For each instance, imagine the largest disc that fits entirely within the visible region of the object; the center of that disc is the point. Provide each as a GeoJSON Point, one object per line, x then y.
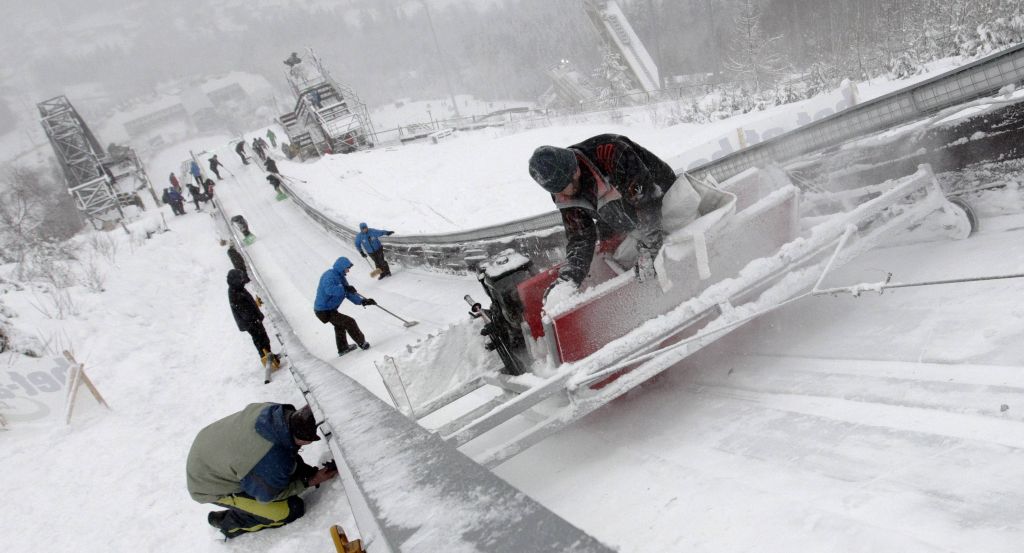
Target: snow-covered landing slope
{"type": "Point", "coordinates": [292, 251]}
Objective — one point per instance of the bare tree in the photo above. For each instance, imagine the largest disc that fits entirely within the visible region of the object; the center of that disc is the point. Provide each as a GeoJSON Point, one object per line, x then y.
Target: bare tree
{"type": "Point", "coordinates": [33, 209]}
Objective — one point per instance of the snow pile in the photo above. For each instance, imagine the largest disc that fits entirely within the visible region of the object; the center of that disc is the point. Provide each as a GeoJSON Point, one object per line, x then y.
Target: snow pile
{"type": "Point", "coordinates": [443, 362]}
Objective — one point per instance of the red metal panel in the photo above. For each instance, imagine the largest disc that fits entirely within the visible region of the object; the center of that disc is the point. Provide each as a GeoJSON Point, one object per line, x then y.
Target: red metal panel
{"type": "Point", "coordinates": [531, 294]}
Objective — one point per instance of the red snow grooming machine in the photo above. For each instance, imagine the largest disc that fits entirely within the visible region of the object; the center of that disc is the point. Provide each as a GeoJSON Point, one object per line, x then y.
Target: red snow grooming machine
{"type": "Point", "coordinates": [754, 247]}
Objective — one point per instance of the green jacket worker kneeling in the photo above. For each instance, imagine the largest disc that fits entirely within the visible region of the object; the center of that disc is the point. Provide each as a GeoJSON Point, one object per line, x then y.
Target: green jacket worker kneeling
{"type": "Point", "coordinates": [249, 463]}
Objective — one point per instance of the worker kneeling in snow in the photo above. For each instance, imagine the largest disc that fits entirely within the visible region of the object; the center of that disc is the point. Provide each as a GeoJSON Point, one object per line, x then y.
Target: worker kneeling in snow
{"type": "Point", "coordinates": [249, 462]}
{"type": "Point", "coordinates": [617, 183]}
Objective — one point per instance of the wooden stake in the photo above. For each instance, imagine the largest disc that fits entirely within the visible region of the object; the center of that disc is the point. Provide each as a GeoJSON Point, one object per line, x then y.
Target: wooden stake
{"type": "Point", "coordinates": [79, 378]}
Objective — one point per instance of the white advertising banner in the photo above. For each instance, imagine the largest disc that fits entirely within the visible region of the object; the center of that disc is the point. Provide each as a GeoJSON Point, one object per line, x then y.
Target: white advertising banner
{"type": "Point", "coordinates": [32, 390]}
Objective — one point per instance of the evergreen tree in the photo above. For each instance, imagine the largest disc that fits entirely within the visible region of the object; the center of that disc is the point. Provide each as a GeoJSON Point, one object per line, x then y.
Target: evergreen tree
{"type": "Point", "coordinates": [753, 55]}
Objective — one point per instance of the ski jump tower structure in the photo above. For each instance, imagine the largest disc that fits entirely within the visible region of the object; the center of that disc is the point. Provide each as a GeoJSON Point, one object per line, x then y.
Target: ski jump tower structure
{"type": "Point", "coordinates": [610, 22]}
{"type": "Point", "coordinates": [328, 116]}
{"type": "Point", "coordinates": [79, 155]}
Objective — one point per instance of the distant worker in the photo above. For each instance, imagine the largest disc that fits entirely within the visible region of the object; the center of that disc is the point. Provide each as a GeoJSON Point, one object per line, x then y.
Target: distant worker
{"type": "Point", "coordinates": [368, 243]}
{"type": "Point", "coordinates": [611, 180]}
{"type": "Point", "coordinates": [263, 144]}
{"type": "Point", "coordinates": [237, 261]}
{"type": "Point", "coordinates": [258, 149]}
{"type": "Point", "coordinates": [275, 182]}
{"type": "Point", "coordinates": [246, 311]}
{"type": "Point", "coordinates": [215, 166]}
{"type": "Point", "coordinates": [271, 166]}
{"type": "Point", "coordinates": [196, 194]}
{"type": "Point", "coordinates": [243, 226]}
{"type": "Point", "coordinates": [272, 138]}
{"type": "Point", "coordinates": [208, 185]}
{"type": "Point", "coordinates": [197, 173]}
{"type": "Point", "coordinates": [314, 97]}
{"type": "Point", "coordinates": [174, 182]}
{"type": "Point", "coordinates": [173, 198]}
{"type": "Point", "coordinates": [240, 150]}
{"type": "Point", "coordinates": [332, 290]}
{"type": "Point", "coordinates": [249, 463]}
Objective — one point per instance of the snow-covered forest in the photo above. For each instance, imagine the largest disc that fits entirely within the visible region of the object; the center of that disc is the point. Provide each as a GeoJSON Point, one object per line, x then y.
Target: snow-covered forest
{"type": "Point", "coordinates": [484, 43]}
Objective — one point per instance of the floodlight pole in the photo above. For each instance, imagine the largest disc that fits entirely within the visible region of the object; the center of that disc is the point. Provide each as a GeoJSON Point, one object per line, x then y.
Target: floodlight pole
{"type": "Point", "coordinates": [440, 58]}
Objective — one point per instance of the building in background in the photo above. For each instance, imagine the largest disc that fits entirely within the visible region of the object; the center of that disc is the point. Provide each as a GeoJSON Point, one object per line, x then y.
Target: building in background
{"type": "Point", "coordinates": [229, 103]}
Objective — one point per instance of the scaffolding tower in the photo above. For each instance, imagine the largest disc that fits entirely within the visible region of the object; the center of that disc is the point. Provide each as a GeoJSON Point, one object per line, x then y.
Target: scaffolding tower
{"type": "Point", "coordinates": [79, 155]}
{"type": "Point", "coordinates": [328, 117]}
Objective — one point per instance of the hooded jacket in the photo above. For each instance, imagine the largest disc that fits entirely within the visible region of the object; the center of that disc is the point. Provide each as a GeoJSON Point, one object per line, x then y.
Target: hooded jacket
{"type": "Point", "coordinates": [243, 306]}
{"type": "Point", "coordinates": [251, 452]}
{"type": "Point", "coordinates": [369, 241]}
{"type": "Point", "coordinates": [334, 288]}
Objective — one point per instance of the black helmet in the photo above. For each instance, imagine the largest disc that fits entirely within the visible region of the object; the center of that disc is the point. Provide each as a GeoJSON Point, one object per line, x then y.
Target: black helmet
{"type": "Point", "coordinates": [553, 168]}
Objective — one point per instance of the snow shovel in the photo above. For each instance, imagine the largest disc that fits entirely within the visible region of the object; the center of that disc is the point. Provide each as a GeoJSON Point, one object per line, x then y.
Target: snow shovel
{"type": "Point", "coordinates": [375, 272]}
{"type": "Point", "coordinates": [404, 322]}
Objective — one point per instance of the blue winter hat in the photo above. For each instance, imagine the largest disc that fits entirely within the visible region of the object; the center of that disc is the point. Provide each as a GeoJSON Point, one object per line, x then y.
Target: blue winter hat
{"type": "Point", "coordinates": [362, 226]}
{"type": "Point", "coordinates": [553, 168]}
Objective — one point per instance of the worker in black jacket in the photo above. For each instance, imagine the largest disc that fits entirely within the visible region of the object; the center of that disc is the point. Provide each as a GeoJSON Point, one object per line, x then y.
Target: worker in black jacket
{"type": "Point", "coordinates": [248, 316]}
{"type": "Point", "coordinates": [604, 186]}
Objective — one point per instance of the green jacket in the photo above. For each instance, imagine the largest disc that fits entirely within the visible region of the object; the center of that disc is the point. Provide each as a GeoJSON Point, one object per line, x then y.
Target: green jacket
{"type": "Point", "coordinates": [250, 452]}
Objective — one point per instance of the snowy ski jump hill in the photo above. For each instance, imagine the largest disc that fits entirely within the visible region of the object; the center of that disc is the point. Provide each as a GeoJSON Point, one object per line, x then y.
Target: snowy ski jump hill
{"type": "Point", "coordinates": [881, 423]}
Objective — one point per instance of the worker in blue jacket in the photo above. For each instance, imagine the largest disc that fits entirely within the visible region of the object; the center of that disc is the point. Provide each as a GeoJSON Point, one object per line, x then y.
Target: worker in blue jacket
{"type": "Point", "coordinates": [197, 173]}
{"type": "Point", "coordinates": [332, 290]}
{"type": "Point", "coordinates": [368, 243]}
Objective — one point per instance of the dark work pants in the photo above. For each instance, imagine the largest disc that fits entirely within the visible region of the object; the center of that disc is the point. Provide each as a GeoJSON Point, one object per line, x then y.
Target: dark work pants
{"type": "Point", "coordinates": [342, 324]}
{"type": "Point", "coordinates": [380, 262]}
{"type": "Point", "coordinates": [259, 337]}
{"type": "Point", "coordinates": [216, 172]}
{"type": "Point", "coordinates": [246, 515]}
{"type": "Point", "coordinates": [242, 156]}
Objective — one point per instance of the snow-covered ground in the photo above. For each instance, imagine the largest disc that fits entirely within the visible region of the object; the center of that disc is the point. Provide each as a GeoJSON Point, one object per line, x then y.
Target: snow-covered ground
{"type": "Point", "coordinates": [871, 424]}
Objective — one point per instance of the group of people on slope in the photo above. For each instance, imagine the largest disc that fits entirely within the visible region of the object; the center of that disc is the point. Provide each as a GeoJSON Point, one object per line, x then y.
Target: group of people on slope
{"type": "Point", "coordinates": [259, 146]}
{"type": "Point", "coordinates": [605, 187]}
{"type": "Point", "coordinates": [258, 480]}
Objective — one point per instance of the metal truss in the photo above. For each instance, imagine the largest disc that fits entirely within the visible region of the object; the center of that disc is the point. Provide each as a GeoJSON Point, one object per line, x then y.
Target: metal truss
{"type": "Point", "coordinates": [79, 155]}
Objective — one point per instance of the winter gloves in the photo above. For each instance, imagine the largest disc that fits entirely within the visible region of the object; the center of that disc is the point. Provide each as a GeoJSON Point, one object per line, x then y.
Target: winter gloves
{"type": "Point", "coordinates": [368, 301]}
{"type": "Point", "coordinates": [389, 233]}
{"type": "Point", "coordinates": [362, 254]}
{"type": "Point", "coordinates": [644, 268]}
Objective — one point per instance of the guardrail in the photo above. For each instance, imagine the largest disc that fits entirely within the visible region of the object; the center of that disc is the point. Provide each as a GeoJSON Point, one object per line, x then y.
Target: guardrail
{"type": "Point", "coordinates": [974, 80]}
{"type": "Point", "coordinates": [541, 236]}
{"type": "Point", "coordinates": [408, 489]}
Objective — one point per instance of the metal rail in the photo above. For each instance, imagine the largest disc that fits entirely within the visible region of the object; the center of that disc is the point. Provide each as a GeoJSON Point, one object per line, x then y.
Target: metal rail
{"type": "Point", "coordinates": [541, 235]}
{"type": "Point", "coordinates": [974, 80]}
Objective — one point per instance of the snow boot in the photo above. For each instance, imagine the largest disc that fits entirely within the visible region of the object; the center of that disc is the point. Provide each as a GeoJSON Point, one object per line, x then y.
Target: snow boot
{"type": "Point", "coordinates": [275, 361]}
{"type": "Point", "coordinates": [216, 518]}
{"type": "Point", "coordinates": [364, 345]}
{"type": "Point", "coordinates": [350, 347]}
